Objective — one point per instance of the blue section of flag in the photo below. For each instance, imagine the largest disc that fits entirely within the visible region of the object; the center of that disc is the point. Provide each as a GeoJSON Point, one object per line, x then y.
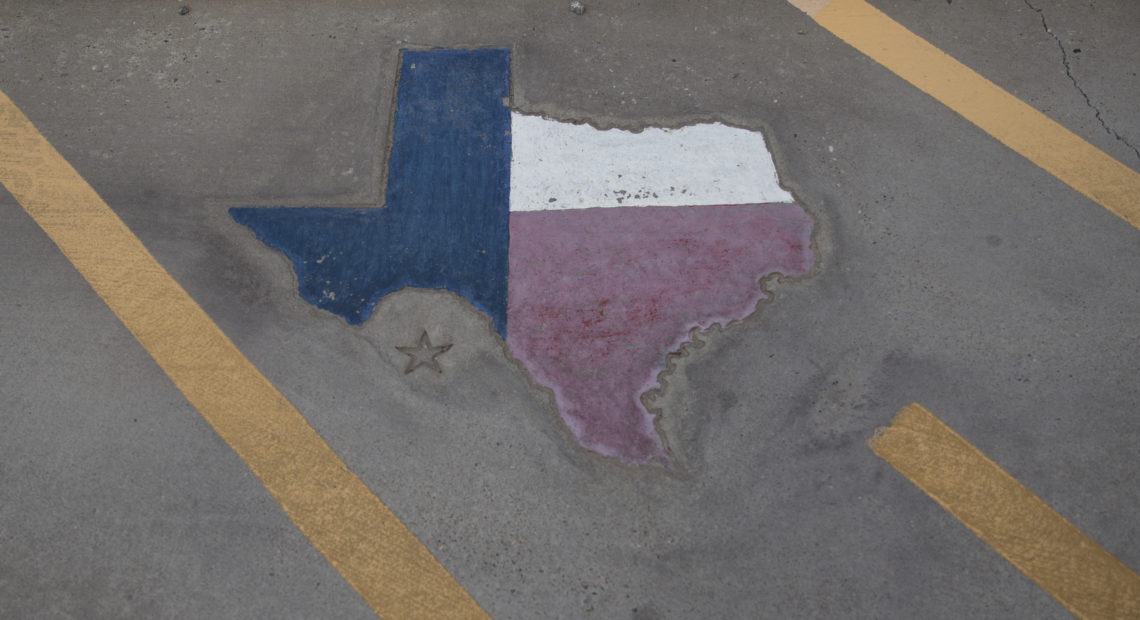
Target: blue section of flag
{"type": "Point", "coordinates": [445, 221]}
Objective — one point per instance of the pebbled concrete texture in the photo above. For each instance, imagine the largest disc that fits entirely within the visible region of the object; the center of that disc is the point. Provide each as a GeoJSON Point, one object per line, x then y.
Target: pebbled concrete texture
{"type": "Point", "coordinates": [949, 272]}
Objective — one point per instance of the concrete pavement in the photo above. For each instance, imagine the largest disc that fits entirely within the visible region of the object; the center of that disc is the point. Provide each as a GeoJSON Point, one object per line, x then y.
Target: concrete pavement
{"type": "Point", "coordinates": [949, 271]}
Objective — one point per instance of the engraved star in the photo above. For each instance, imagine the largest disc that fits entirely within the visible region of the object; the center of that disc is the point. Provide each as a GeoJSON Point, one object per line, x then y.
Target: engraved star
{"type": "Point", "coordinates": [423, 354]}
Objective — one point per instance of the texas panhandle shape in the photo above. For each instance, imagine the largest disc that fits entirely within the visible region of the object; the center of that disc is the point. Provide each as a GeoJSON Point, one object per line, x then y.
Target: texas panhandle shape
{"type": "Point", "coordinates": [593, 252]}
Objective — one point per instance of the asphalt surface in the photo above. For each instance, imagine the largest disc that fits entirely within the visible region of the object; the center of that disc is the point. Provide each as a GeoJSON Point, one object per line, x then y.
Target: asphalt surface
{"type": "Point", "coordinates": [950, 271]}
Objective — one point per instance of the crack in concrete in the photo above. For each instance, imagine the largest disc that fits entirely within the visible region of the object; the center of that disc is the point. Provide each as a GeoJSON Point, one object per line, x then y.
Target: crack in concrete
{"type": "Point", "coordinates": [1069, 72]}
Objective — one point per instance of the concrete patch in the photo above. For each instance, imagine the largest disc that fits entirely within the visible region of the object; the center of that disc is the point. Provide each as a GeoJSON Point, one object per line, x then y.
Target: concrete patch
{"type": "Point", "coordinates": [597, 297]}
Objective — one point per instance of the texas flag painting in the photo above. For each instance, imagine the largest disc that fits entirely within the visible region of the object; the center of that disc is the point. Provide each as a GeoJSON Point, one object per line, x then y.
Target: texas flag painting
{"type": "Point", "coordinates": [595, 253]}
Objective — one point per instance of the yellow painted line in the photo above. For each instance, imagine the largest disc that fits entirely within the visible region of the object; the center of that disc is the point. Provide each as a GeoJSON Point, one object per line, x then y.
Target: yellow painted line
{"type": "Point", "coordinates": [1014, 123]}
{"type": "Point", "coordinates": [359, 535]}
{"type": "Point", "coordinates": [1045, 546]}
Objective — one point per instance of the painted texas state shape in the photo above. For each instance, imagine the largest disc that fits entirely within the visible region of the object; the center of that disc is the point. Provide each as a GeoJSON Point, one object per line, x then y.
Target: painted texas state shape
{"type": "Point", "coordinates": [595, 253]}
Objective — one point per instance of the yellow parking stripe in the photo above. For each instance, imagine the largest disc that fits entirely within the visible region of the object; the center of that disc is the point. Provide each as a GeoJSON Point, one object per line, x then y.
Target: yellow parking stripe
{"type": "Point", "coordinates": [1014, 123]}
{"type": "Point", "coordinates": [1045, 546]}
{"type": "Point", "coordinates": [359, 535]}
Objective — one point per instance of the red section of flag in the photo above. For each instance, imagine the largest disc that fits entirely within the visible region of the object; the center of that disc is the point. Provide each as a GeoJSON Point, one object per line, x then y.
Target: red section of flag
{"type": "Point", "coordinates": [598, 297]}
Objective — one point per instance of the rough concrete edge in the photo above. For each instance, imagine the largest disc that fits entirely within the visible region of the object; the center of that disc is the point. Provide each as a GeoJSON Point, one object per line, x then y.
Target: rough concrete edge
{"type": "Point", "coordinates": [822, 252]}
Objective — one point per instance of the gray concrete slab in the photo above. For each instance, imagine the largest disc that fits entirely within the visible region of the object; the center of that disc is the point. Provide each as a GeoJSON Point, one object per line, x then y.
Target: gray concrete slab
{"type": "Point", "coordinates": [950, 272]}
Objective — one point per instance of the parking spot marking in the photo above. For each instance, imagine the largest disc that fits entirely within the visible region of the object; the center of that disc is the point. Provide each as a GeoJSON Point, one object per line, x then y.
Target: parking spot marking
{"type": "Point", "coordinates": [1050, 550]}
{"type": "Point", "coordinates": [374, 551]}
{"type": "Point", "coordinates": [1014, 123]}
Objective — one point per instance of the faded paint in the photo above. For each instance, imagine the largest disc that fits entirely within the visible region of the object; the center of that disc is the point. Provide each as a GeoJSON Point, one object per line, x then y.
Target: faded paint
{"type": "Point", "coordinates": [1050, 550]}
{"type": "Point", "coordinates": [558, 165]}
{"type": "Point", "coordinates": [811, 7]}
{"type": "Point", "coordinates": [444, 225]}
{"type": "Point", "coordinates": [599, 297]}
